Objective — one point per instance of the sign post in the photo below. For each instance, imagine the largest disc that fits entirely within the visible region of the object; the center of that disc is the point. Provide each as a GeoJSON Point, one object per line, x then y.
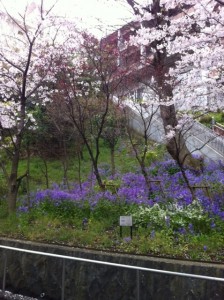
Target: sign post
{"type": "Point", "coordinates": [126, 221]}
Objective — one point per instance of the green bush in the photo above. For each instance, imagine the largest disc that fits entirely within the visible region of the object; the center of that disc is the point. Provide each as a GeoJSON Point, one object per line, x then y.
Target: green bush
{"type": "Point", "coordinates": [158, 217]}
{"type": "Point", "coordinates": [67, 212]}
{"type": "Point", "coordinates": [222, 117]}
{"type": "Point", "coordinates": [112, 185]}
{"type": "Point", "coordinates": [3, 187]}
{"type": "Point", "coordinates": [206, 119]}
{"type": "Point", "coordinates": [108, 211]}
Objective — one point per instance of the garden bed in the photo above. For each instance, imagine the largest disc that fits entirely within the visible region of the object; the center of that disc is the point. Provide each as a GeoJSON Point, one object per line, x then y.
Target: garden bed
{"type": "Point", "coordinates": [167, 222]}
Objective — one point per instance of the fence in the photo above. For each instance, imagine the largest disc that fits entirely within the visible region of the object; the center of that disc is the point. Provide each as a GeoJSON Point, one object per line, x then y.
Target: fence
{"type": "Point", "coordinates": [199, 138]}
{"type": "Point", "coordinates": [64, 258]}
{"type": "Point", "coordinates": [208, 137]}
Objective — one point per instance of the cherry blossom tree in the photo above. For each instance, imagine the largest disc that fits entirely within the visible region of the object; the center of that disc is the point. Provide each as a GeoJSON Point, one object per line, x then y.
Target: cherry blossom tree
{"type": "Point", "coordinates": [85, 86]}
{"type": "Point", "coordinates": [27, 46]}
{"type": "Point", "coordinates": [185, 41]}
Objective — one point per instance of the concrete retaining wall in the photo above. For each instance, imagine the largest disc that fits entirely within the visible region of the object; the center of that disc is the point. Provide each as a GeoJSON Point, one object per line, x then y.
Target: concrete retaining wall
{"type": "Point", "coordinates": [41, 276]}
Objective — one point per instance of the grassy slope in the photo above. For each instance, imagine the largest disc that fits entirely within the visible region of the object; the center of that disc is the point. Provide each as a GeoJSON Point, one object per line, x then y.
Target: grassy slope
{"type": "Point", "coordinates": [101, 233]}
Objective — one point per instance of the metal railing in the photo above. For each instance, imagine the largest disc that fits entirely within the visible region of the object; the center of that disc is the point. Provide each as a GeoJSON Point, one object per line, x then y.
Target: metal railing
{"type": "Point", "coordinates": [64, 258]}
{"type": "Point", "coordinates": [195, 132]}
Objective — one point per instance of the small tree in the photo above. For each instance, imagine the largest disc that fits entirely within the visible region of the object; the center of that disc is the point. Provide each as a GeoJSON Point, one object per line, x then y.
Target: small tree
{"type": "Point", "coordinates": [113, 131]}
{"type": "Point", "coordinates": [26, 56]}
{"type": "Point", "coordinates": [139, 127]}
{"type": "Point", "coordinates": [84, 85]}
{"type": "Point", "coordinates": [63, 134]}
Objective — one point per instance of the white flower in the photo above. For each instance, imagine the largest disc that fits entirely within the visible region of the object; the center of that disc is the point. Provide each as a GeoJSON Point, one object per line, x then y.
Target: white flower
{"type": "Point", "coordinates": [170, 135]}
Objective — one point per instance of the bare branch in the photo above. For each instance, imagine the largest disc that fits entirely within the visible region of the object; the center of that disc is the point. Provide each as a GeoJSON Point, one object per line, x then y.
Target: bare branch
{"type": "Point", "coordinates": [11, 63]}
{"type": "Point", "coordinates": [133, 3]}
{"type": "Point", "coordinates": [220, 2]}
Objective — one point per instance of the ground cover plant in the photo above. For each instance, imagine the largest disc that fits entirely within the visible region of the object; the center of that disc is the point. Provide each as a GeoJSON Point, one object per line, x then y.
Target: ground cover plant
{"type": "Point", "coordinates": [210, 117]}
{"type": "Point", "coordinates": [168, 222]}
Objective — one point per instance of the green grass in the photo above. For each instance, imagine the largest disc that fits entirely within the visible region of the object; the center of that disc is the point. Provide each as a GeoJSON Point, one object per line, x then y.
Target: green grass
{"type": "Point", "coordinates": [206, 119]}
{"type": "Point", "coordinates": [124, 162]}
{"type": "Point", "coordinates": [219, 117]}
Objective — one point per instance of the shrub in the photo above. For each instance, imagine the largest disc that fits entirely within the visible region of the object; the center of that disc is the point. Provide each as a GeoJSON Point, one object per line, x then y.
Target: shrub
{"type": "Point", "coordinates": [222, 117]}
{"type": "Point", "coordinates": [206, 119]}
{"type": "Point", "coordinates": [191, 218]}
{"type": "Point", "coordinates": [3, 188]}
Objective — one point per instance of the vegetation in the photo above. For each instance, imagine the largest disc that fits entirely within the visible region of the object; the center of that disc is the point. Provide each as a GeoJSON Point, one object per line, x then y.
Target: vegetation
{"type": "Point", "coordinates": [168, 222]}
{"type": "Point", "coordinates": [56, 184]}
{"type": "Point", "coordinates": [207, 118]}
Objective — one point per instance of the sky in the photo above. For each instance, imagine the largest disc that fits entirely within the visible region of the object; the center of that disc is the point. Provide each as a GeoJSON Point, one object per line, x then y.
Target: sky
{"type": "Point", "coordinates": [100, 16]}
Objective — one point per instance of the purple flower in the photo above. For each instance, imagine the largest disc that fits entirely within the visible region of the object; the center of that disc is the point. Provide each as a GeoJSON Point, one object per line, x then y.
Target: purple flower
{"type": "Point", "coordinates": [152, 234]}
{"type": "Point", "coordinates": [23, 209]}
{"type": "Point", "coordinates": [133, 191]}
{"type": "Point", "coordinates": [191, 228]}
{"type": "Point", "coordinates": [213, 225]}
{"type": "Point", "coordinates": [182, 230]}
{"type": "Point", "coordinates": [127, 239]}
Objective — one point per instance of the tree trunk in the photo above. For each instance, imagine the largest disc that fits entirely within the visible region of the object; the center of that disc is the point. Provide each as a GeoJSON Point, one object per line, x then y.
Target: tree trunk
{"type": "Point", "coordinates": [28, 176]}
{"type": "Point", "coordinates": [79, 170]}
{"type": "Point", "coordinates": [176, 146]}
{"type": "Point", "coordinates": [12, 196]}
{"type": "Point", "coordinates": [98, 177]}
{"type": "Point", "coordinates": [46, 172]}
{"type": "Point", "coordinates": [147, 179]}
{"type": "Point", "coordinates": [112, 152]}
{"type": "Point", "coordinates": [13, 184]}
{"type": "Point", "coordinates": [65, 164]}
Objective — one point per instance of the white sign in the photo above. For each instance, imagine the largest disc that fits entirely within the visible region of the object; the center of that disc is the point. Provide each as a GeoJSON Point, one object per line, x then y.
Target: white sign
{"type": "Point", "coordinates": [125, 220]}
